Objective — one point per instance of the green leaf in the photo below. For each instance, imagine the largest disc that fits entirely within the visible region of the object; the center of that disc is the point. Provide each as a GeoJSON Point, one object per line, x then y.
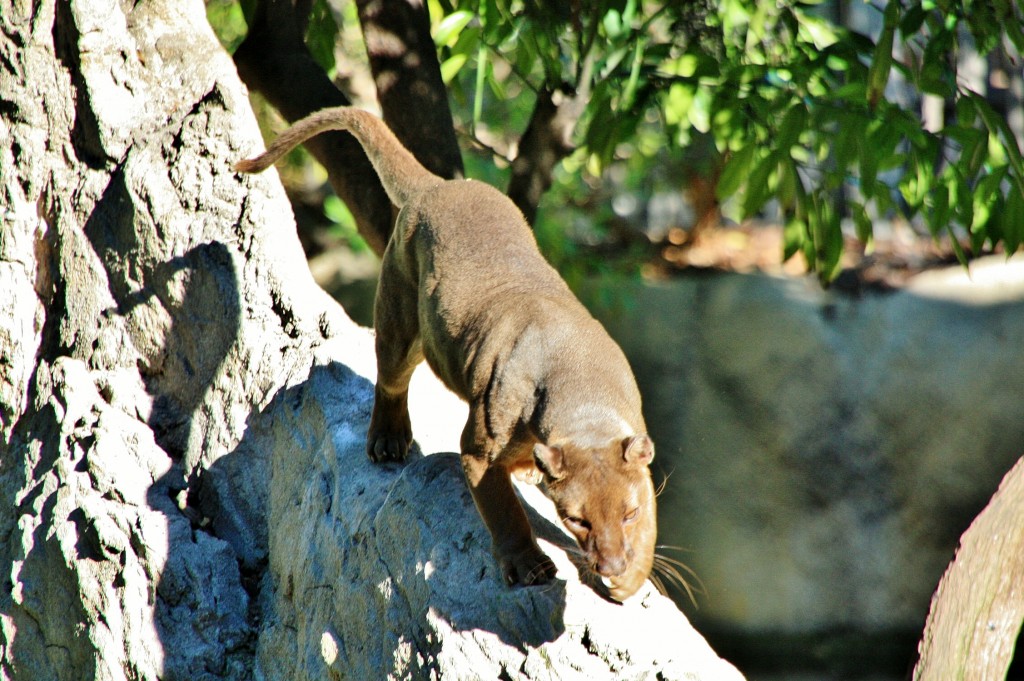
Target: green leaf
{"type": "Point", "coordinates": [879, 151]}
{"type": "Point", "coordinates": [322, 35]}
{"type": "Point", "coordinates": [853, 92]}
{"type": "Point", "coordinates": [973, 146]}
{"type": "Point", "coordinates": [629, 93]}
{"type": "Point", "coordinates": [601, 129]}
{"type": "Point", "coordinates": [699, 113]}
{"type": "Point", "coordinates": [336, 211]}
{"type": "Point", "coordinates": [862, 222]}
{"type": "Point", "coordinates": [787, 190]}
{"type": "Point", "coordinates": [828, 239]}
{"type": "Point", "coordinates": [677, 103]}
{"type": "Point", "coordinates": [1012, 221]}
{"type": "Point", "coordinates": [818, 31]}
{"type": "Point", "coordinates": [451, 67]}
{"type": "Point", "coordinates": [957, 248]}
{"type": "Point", "coordinates": [883, 197]}
{"type": "Point", "coordinates": [925, 177]}
{"type": "Point", "coordinates": [229, 22]}
{"type": "Point", "coordinates": [998, 127]}
{"type": "Point", "coordinates": [490, 18]}
{"type": "Point", "coordinates": [735, 171]}
{"type": "Point", "coordinates": [729, 126]}
{"type": "Point", "coordinates": [758, 190]}
{"type": "Point", "coordinates": [629, 12]}
{"type": "Point", "coordinates": [612, 60]}
{"type": "Point", "coordinates": [792, 125]}
{"type": "Point", "coordinates": [912, 20]}
{"type": "Point", "coordinates": [965, 111]}
{"type": "Point", "coordinates": [447, 31]}
{"type": "Point", "coordinates": [689, 65]}
{"type": "Point", "coordinates": [962, 199]}
{"type": "Point", "coordinates": [910, 190]}
{"type": "Point", "coordinates": [1013, 28]}
{"type": "Point", "coordinates": [986, 195]}
{"type": "Point", "coordinates": [497, 86]}
{"type": "Point", "coordinates": [850, 130]}
{"type": "Point", "coordinates": [937, 203]}
{"type": "Point", "coordinates": [881, 63]}
{"type": "Point", "coordinates": [612, 23]}
{"type": "Point", "coordinates": [343, 224]}
{"type": "Point", "coordinates": [482, 67]}
{"type": "Point", "coordinates": [794, 238]}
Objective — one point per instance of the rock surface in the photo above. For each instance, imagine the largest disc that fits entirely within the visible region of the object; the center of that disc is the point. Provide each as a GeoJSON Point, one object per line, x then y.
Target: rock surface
{"type": "Point", "coordinates": [404, 545]}
{"type": "Point", "coordinates": [182, 411]}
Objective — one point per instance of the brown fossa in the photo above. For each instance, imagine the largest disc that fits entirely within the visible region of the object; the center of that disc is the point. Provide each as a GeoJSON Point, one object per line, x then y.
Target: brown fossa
{"type": "Point", "coordinates": [551, 396]}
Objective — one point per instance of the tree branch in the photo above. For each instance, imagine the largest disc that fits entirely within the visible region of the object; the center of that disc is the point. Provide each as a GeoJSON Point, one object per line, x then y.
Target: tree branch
{"type": "Point", "coordinates": [978, 609]}
{"type": "Point", "coordinates": [547, 140]}
{"type": "Point", "coordinates": [274, 61]}
{"type": "Point", "coordinates": [413, 98]}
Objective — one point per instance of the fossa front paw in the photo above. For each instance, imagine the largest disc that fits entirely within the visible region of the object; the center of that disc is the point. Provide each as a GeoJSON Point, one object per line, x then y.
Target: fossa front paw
{"type": "Point", "coordinates": [528, 567]}
{"type": "Point", "coordinates": [528, 474]}
{"type": "Point", "coordinates": [390, 433]}
{"type": "Point", "coordinates": [387, 446]}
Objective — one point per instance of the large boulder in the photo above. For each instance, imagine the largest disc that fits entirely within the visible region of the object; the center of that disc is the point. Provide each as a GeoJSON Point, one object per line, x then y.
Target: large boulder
{"type": "Point", "coordinates": [182, 411]}
{"type": "Point", "coordinates": [826, 451]}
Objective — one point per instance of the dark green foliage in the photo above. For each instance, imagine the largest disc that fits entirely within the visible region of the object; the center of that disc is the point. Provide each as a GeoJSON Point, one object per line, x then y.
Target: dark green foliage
{"type": "Point", "coordinates": [797, 110]}
{"type": "Point", "coordinates": [796, 105]}
{"type": "Point", "coordinates": [322, 34]}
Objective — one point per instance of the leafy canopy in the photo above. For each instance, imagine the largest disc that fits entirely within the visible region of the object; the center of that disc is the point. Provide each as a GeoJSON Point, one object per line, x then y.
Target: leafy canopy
{"type": "Point", "coordinates": [797, 109]}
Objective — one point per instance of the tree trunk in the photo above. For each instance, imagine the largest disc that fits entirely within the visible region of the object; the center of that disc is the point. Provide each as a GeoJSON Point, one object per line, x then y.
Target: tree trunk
{"type": "Point", "coordinates": [145, 320]}
{"type": "Point", "coordinates": [273, 60]}
{"type": "Point", "coordinates": [185, 489]}
{"type": "Point", "coordinates": [978, 609]}
{"type": "Point", "coordinates": [547, 140]}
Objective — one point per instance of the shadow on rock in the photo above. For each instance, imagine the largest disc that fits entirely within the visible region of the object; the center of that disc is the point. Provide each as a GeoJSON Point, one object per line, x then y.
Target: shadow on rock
{"type": "Point", "coordinates": [377, 568]}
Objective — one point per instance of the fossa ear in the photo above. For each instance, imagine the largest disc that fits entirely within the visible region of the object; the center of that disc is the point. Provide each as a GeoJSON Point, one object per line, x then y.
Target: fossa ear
{"type": "Point", "coordinates": [550, 460]}
{"type": "Point", "coordinates": [638, 449]}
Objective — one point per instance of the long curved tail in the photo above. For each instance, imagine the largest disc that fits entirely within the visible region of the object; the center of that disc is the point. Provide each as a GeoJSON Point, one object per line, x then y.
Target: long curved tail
{"type": "Point", "coordinates": [399, 171]}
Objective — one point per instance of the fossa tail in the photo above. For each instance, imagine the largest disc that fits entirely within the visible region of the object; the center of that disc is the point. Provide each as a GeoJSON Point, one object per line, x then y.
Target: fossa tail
{"type": "Point", "coordinates": [399, 171]}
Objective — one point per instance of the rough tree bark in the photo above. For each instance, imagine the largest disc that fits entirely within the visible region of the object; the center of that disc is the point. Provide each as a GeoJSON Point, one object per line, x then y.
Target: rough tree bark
{"type": "Point", "coordinates": [978, 610]}
{"type": "Point", "coordinates": [183, 485]}
{"type": "Point", "coordinates": [124, 247]}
